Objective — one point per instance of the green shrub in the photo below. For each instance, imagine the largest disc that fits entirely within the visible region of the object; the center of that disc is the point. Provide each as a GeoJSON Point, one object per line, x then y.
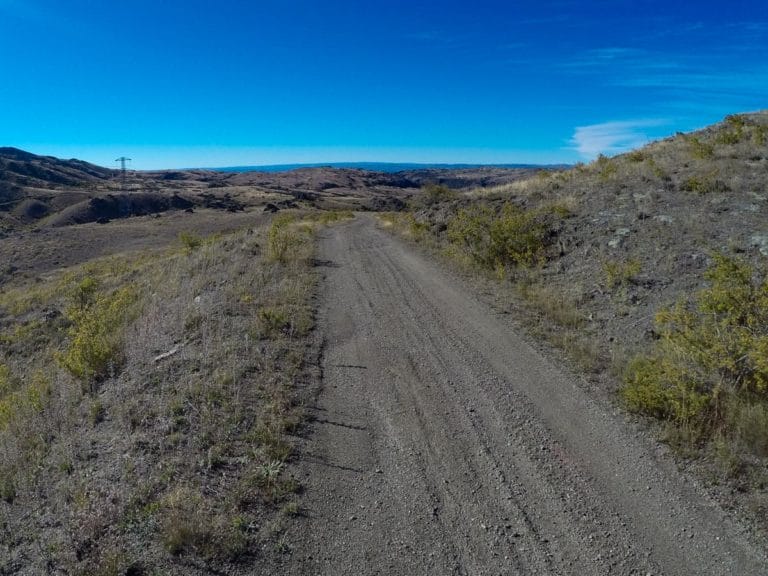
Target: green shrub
{"type": "Point", "coordinates": [699, 149]}
{"type": "Point", "coordinates": [734, 131]}
{"type": "Point", "coordinates": [509, 237]}
{"type": "Point", "coordinates": [712, 355]}
{"type": "Point", "coordinates": [82, 295]}
{"type": "Point", "coordinates": [95, 345]}
{"type": "Point", "coordinates": [190, 240]}
{"type": "Point", "coordinates": [707, 184]}
{"type": "Point", "coordinates": [436, 193]}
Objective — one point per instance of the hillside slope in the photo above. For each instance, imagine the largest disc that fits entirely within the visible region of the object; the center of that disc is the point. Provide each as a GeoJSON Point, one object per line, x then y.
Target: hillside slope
{"type": "Point", "coordinates": [43, 191]}
{"type": "Point", "coordinates": [596, 256]}
{"type": "Point", "coordinates": [23, 169]}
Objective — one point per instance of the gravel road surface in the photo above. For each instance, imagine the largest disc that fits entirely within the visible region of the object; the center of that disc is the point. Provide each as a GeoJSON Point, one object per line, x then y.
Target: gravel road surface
{"type": "Point", "coordinates": [443, 443]}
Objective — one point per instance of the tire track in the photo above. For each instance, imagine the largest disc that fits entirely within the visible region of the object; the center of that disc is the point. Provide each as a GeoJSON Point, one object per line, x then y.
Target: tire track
{"type": "Point", "coordinates": [444, 444]}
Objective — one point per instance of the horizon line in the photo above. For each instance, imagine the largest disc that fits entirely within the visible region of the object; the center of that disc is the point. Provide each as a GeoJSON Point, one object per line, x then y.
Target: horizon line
{"type": "Point", "coordinates": [362, 164]}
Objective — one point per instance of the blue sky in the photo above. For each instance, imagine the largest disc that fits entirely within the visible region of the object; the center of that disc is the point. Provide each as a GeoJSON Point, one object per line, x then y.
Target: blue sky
{"type": "Point", "coordinates": [179, 84]}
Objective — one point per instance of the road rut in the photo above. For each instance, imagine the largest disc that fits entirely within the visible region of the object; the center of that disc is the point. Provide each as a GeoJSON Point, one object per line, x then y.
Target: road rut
{"type": "Point", "coordinates": [443, 443]}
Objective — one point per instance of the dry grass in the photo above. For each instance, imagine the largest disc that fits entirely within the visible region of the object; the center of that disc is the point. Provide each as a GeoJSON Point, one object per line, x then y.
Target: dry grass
{"type": "Point", "coordinates": [177, 459]}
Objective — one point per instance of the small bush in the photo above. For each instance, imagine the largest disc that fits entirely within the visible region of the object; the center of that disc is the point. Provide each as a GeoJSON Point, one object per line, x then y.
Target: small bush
{"type": "Point", "coordinates": [657, 170]}
{"type": "Point", "coordinates": [493, 240]}
{"type": "Point", "coordinates": [190, 240]}
{"type": "Point", "coordinates": [606, 167]}
{"type": "Point", "coordinates": [96, 412]}
{"type": "Point", "coordinates": [708, 184]}
{"type": "Point", "coordinates": [436, 193]}
{"type": "Point", "coordinates": [617, 274]}
{"type": "Point", "coordinates": [637, 156]}
{"type": "Point", "coordinates": [95, 347]}
{"type": "Point", "coordinates": [274, 321]}
{"type": "Point", "coordinates": [733, 132]}
{"type": "Point", "coordinates": [709, 371]}
{"type": "Point", "coordinates": [698, 149]}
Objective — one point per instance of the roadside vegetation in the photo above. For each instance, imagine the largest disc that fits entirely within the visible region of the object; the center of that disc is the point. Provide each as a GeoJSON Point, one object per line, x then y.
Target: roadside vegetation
{"type": "Point", "coordinates": [149, 405]}
{"type": "Point", "coordinates": [707, 375]}
{"type": "Point", "coordinates": [648, 270]}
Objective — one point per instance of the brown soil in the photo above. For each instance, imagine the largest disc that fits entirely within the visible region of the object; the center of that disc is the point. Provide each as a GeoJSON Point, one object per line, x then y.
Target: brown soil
{"type": "Point", "coordinates": [39, 251]}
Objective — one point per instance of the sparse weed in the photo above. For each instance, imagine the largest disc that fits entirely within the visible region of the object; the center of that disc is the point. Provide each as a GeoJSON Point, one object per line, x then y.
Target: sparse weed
{"type": "Point", "coordinates": [551, 303]}
{"type": "Point", "coordinates": [328, 217]}
{"type": "Point", "coordinates": [606, 167]}
{"type": "Point", "coordinates": [96, 412]}
{"type": "Point", "coordinates": [286, 239]}
{"type": "Point", "coordinates": [188, 527]}
{"type": "Point", "coordinates": [7, 485]}
{"type": "Point", "coordinates": [637, 156]}
{"type": "Point", "coordinates": [190, 240]}
{"type": "Point", "coordinates": [617, 273]}
{"type": "Point", "coordinates": [699, 149]}
{"type": "Point", "coordinates": [290, 509]}
{"type": "Point", "coordinates": [274, 321]}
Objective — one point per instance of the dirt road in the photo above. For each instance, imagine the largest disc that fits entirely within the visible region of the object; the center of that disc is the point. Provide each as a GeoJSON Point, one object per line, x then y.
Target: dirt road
{"type": "Point", "coordinates": [445, 444]}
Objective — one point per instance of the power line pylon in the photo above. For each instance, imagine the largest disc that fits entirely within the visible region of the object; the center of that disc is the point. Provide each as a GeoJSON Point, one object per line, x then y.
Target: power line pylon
{"type": "Point", "coordinates": [122, 161]}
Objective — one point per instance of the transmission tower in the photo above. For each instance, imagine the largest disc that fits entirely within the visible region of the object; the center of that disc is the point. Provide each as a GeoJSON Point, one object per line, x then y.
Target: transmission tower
{"type": "Point", "coordinates": [122, 161]}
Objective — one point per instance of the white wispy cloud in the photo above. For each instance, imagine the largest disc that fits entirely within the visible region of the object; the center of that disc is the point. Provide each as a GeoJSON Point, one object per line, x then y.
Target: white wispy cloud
{"type": "Point", "coordinates": [729, 70]}
{"type": "Point", "coordinates": [612, 137]}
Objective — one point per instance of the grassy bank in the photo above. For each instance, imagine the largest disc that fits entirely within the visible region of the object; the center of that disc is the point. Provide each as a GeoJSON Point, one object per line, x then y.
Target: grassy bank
{"type": "Point", "coordinates": [148, 405]}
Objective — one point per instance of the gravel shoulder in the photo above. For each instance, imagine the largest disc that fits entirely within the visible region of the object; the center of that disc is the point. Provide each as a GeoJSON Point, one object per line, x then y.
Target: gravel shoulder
{"type": "Point", "coordinates": [443, 443]}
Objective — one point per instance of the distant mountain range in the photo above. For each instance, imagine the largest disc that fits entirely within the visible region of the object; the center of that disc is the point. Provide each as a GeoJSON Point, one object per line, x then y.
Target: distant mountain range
{"type": "Point", "coordinates": [386, 167]}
